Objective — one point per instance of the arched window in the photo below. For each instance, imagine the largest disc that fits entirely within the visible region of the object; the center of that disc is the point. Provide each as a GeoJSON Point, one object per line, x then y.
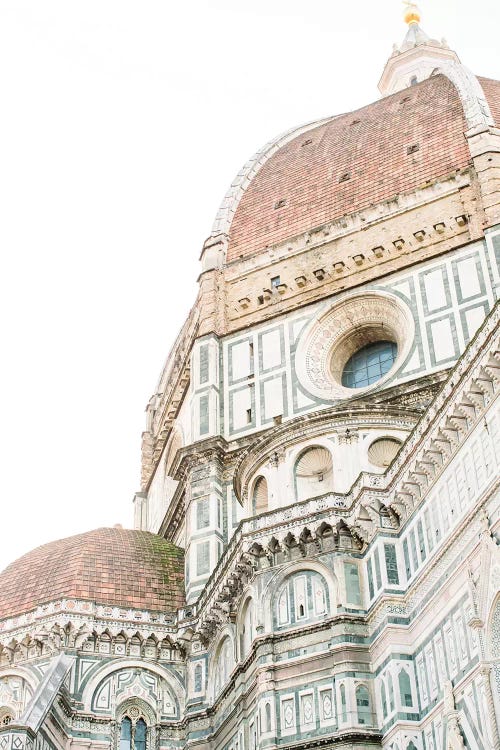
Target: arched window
{"type": "Point", "coordinates": [363, 705]}
{"type": "Point", "coordinates": [390, 686]}
{"type": "Point", "coordinates": [140, 735]}
{"type": "Point", "coordinates": [133, 732]}
{"type": "Point", "coordinates": [314, 472]}
{"type": "Point", "coordinates": [260, 496]}
{"type": "Point", "coordinates": [224, 663]}
{"type": "Point", "coordinates": [343, 703]}
{"type": "Point", "coordinates": [405, 689]}
{"type": "Point", "coordinates": [126, 734]}
{"type": "Point", "coordinates": [301, 598]}
{"type": "Point", "coordinates": [383, 699]}
{"type": "Point", "coordinates": [247, 628]}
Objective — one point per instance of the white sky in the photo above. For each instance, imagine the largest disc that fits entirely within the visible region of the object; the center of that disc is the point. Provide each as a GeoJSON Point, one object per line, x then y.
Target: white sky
{"type": "Point", "coordinates": [122, 124]}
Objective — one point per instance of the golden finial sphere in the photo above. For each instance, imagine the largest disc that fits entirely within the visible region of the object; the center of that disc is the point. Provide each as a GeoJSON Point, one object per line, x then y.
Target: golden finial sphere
{"type": "Point", "coordinates": [412, 13]}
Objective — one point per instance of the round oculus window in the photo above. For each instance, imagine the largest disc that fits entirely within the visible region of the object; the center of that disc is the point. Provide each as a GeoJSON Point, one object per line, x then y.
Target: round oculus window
{"type": "Point", "coordinates": [369, 364]}
{"type": "Point", "coordinates": [356, 344]}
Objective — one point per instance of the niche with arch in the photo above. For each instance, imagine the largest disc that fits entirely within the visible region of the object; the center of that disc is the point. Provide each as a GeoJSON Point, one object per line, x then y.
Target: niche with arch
{"type": "Point", "coordinates": [313, 472]}
{"type": "Point", "coordinates": [383, 451]}
{"type": "Point", "coordinates": [303, 597]}
{"type": "Point", "coordinates": [260, 496]}
{"type": "Point", "coordinates": [223, 664]}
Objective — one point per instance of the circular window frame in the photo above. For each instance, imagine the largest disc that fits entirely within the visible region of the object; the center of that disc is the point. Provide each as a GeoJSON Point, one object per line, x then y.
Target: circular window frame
{"type": "Point", "coordinates": [328, 342]}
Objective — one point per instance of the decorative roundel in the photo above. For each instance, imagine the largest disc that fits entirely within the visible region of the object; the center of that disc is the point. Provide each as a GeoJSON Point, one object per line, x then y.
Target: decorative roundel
{"type": "Point", "coordinates": [355, 346]}
{"type": "Point", "coordinates": [383, 450]}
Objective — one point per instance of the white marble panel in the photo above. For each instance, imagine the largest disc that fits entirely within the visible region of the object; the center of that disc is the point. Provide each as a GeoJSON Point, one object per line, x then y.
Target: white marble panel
{"type": "Point", "coordinates": [468, 278]}
{"type": "Point", "coordinates": [442, 338]}
{"type": "Point", "coordinates": [240, 356]}
{"type": "Point", "coordinates": [271, 350]}
{"type": "Point", "coordinates": [434, 290]}
{"type": "Point", "coordinates": [273, 398]}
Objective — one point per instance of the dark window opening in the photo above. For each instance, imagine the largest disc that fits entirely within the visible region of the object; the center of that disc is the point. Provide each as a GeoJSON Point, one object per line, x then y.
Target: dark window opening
{"type": "Point", "coordinates": [369, 364]}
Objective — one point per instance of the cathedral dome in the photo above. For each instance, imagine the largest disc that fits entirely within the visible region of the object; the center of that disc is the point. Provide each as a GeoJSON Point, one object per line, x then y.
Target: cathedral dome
{"type": "Point", "coordinates": [349, 163]}
{"type": "Point", "coordinates": [110, 566]}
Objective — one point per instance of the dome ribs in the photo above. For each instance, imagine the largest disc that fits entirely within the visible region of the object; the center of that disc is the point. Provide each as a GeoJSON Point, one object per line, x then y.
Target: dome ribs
{"type": "Point", "coordinates": [373, 152]}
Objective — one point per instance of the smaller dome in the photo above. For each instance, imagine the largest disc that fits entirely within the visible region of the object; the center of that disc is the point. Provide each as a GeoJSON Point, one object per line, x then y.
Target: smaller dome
{"type": "Point", "coordinates": [116, 567]}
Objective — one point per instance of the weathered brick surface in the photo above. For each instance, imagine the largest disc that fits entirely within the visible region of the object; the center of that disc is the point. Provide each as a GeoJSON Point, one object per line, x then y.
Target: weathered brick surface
{"type": "Point", "coordinates": [491, 90]}
{"type": "Point", "coordinates": [110, 566]}
{"type": "Point", "coordinates": [370, 145]}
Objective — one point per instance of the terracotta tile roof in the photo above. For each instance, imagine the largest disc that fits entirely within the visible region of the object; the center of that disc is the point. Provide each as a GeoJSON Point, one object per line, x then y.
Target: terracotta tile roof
{"type": "Point", "coordinates": [491, 90]}
{"type": "Point", "coordinates": [110, 566]}
{"type": "Point", "coordinates": [351, 162]}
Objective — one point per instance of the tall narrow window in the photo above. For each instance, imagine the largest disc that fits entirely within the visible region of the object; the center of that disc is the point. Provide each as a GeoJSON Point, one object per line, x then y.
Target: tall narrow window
{"type": "Point", "coordinates": [343, 703]}
{"type": "Point", "coordinates": [383, 700]}
{"type": "Point", "coordinates": [268, 717]}
{"type": "Point", "coordinates": [126, 734]}
{"type": "Point", "coordinates": [391, 692]}
{"type": "Point", "coordinates": [405, 689]}
{"type": "Point", "coordinates": [197, 679]}
{"type": "Point", "coordinates": [140, 735]}
{"type": "Point", "coordinates": [363, 705]}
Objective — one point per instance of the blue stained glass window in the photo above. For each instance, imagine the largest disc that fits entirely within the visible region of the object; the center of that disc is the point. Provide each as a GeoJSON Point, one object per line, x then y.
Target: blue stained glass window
{"type": "Point", "coordinates": [126, 734]}
{"type": "Point", "coordinates": [369, 364]}
{"type": "Point", "coordinates": [140, 735]}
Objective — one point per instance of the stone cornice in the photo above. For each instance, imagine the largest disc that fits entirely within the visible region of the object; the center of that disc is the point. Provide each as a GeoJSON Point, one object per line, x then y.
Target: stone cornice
{"type": "Point", "coordinates": [83, 613]}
